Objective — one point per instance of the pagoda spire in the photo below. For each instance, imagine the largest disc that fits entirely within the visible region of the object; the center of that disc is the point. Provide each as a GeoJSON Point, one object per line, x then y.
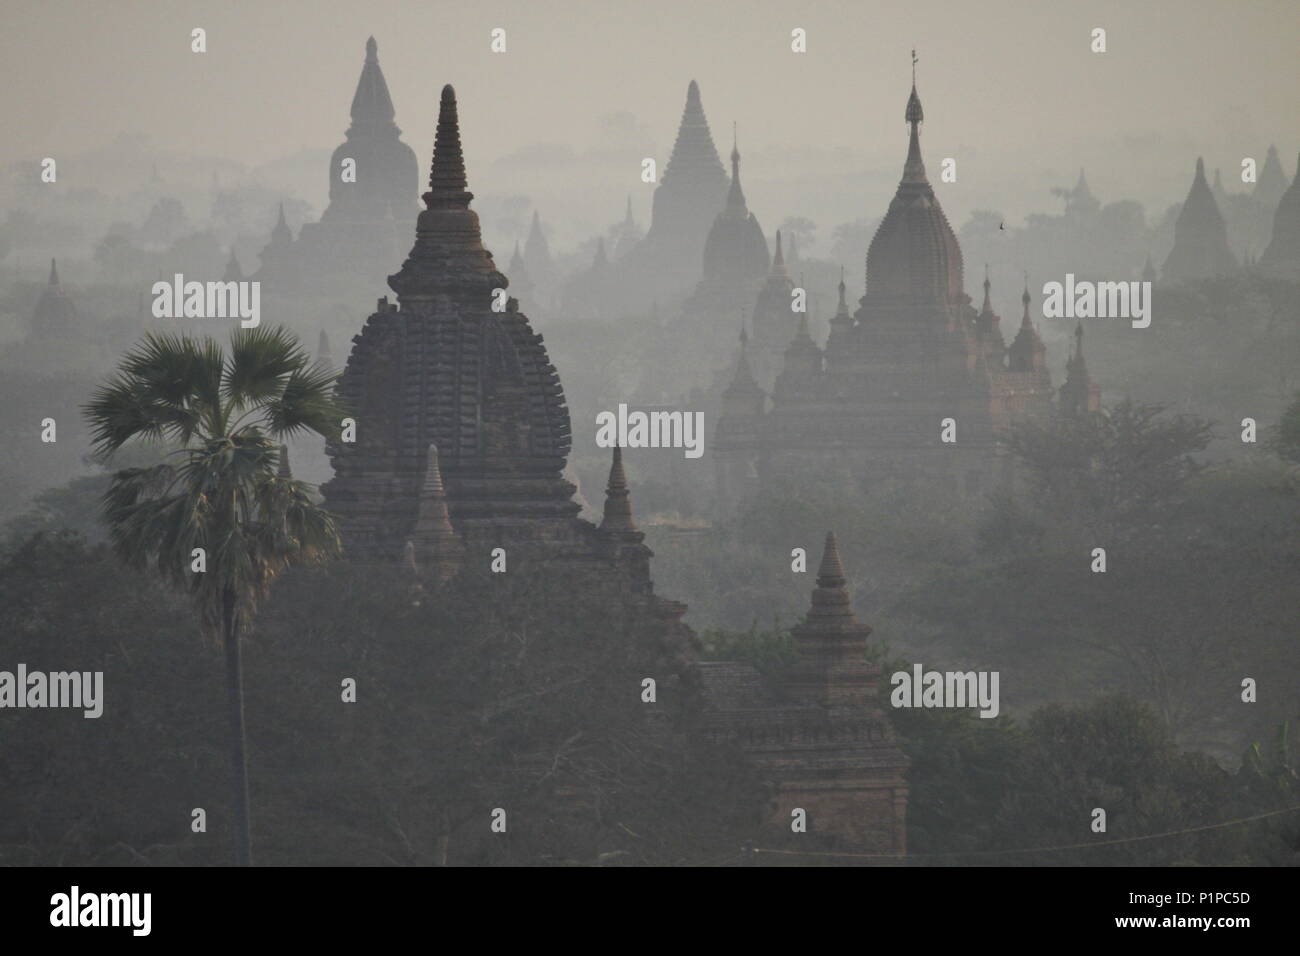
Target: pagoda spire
{"type": "Point", "coordinates": [448, 255]}
{"type": "Point", "coordinates": [987, 307]}
{"type": "Point", "coordinates": [735, 195]}
{"type": "Point", "coordinates": [618, 504]}
{"type": "Point", "coordinates": [433, 536]}
{"type": "Point", "coordinates": [282, 465]}
{"type": "Point", "coordinates": [1025, 323]}
{"type": "Point", "coordinates": [372, 106]}
{"type": "Point", "coordinates": [54, 272]}
{"type": "Point", "coordinates": [830, 644]}
{"type": "Point", "coordinates": [778, 260]}
{"type": "Point", "coordinates": [914, 168]}
{"type": "Point", "coordinates": [448, 188]}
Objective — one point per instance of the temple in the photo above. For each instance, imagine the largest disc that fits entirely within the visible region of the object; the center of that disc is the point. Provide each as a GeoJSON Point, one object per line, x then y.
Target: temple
{"type": "Point", "coordinates": [872, 401]}
{"type": "Point", "coordinates": [692, 191]}
{"type": "Point", "coordinates": [462, 434]}
{"type": "Point", "coordinates": [373, 190]}
{"type": "Point", "coordinates": [819, 736]}
{"type": "Point", "coordinates": [55, 315]}
{"type": "Point", "coordinates": [735, 263]}
{"type": "Point", "coordinates": [1201, 248]}
{"type": "Point", "coordinates": [1282, 257]}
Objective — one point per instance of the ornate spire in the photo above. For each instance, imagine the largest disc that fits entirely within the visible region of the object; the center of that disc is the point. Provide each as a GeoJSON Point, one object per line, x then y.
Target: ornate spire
{"type": "Point", "coordinates": [914, 168]}
{"type": "Point", "coordinates": [735, 195]}
{"type": "Point", "coordinates": [831, 572]}
{"type": "Point", "coordinates": [280, 234]}
{"type": "Point", "coordinates": [372, 106]}
{"type": "Point", "coordinates": [448, 255]}
{"type": "Point", "coordinates": [778, 260]}
{"type": "Point", "coordinates": [618, 504]}
{"type": "Point", "coordinates": [54, 272]}
{"type": "Point", "coordinates": [987, 307]}
{"type": "Point", "coordinates": [282, 466]}
{"type": "Point", "coordinates": [448, 188]}
{"type": "Point", "coordinates": [433, 531]}
{"type": "Point", "coordinates": [1024, 299]}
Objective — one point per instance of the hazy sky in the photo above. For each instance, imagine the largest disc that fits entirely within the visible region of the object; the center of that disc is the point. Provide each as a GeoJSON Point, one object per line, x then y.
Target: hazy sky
{"type": "Point", "coordinates": [1011, 89]}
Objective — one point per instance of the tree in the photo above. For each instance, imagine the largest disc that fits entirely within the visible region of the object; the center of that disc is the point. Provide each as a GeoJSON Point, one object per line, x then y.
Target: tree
{"type": "Point", "coordinates": [220, 498]}
{"type": "Point", "coordinates": [1113, 473]}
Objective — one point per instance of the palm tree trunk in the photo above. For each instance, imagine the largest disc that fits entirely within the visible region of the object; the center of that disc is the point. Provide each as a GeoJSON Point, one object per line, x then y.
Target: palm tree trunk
{"type": "Point", "coordinates": [235, 701]}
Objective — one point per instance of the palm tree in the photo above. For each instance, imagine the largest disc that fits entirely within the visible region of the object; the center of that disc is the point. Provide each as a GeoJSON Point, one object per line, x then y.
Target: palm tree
{"type": "Point", "coordinates": [217, 499]}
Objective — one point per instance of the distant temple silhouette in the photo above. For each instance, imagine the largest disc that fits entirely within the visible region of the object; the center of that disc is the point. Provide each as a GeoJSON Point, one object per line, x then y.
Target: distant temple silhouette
{"type": "Point", "coordinates": [1282, 257]}
{"type": "Point", "coordinates": [692, 190]}
{"type": "Point", "coordinates": [1201, 248]}
{"type": "Point", "coordinates": [916, 352]}
{"type": "Point", "coordinates": [373, 189]}
{"type": "Point", "coordinates": [55, 315]}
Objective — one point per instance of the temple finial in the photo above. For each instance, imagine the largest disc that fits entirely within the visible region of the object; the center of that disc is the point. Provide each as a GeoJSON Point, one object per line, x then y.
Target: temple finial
{"type": "Point", "coordinates": [618, 503]}
{"type": "Point", "coordinates": [447, 183]}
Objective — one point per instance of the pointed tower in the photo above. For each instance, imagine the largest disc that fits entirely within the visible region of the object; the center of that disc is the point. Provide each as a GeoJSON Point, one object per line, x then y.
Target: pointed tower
{"type": "Point", "coordinates": [736, 437]}
{"type": "Point", "coordinates": [735, 252]}
{"type": "Point", "coordinates": [1200, 237]}
{"type": "Point", "coordinates": [1081, 201]}
{"type": "Point", "coordinates": [1220, 194]}
{"type": "Point", "coordinates": [233, 271]}
{"type": "Point", "coordinates": [629, 234]}
{"type": "Point", "coordinates": [440, 367]}
{"type": "Point", "coordinates": [56, 314]}
{"type": "Point", "coordinates": [1271, 183]}
{"type": "Point", "coordinates": [521, 283]}
{"type": "Point", "coordinates": [988, 331]}
{"type": "Point", "coordinates": [831, 644]}
{"type": "Point", "coordinates": [734, 265]}
{"type": "Point", "coordinates": [282, 466]}
{"type": "Point", "coordinates": [277, 256]}
{"type": "Point", "coordinates": [841, 324]}
{"type": "Point", "coordinates": [537, 253]}
{"type": "Point", "coordinates": [1080, 396]}
{"type": "Point", "coordinates": [691, 192]}
{"type": "Point", "coordinates": [437, 546]}
{"type": "Point", "coordinates": [1027, 352]}
{"type": "Point", "coordinates": [914, 263]}
{"type": "Point", "coordinates": [801, 367]}
{"type": "Point", "coordinates": [387, 180]}
{"type": "Point", "coordinates": [773, 320]}
{"type": "Point", "coordinates": [1282, 257]}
